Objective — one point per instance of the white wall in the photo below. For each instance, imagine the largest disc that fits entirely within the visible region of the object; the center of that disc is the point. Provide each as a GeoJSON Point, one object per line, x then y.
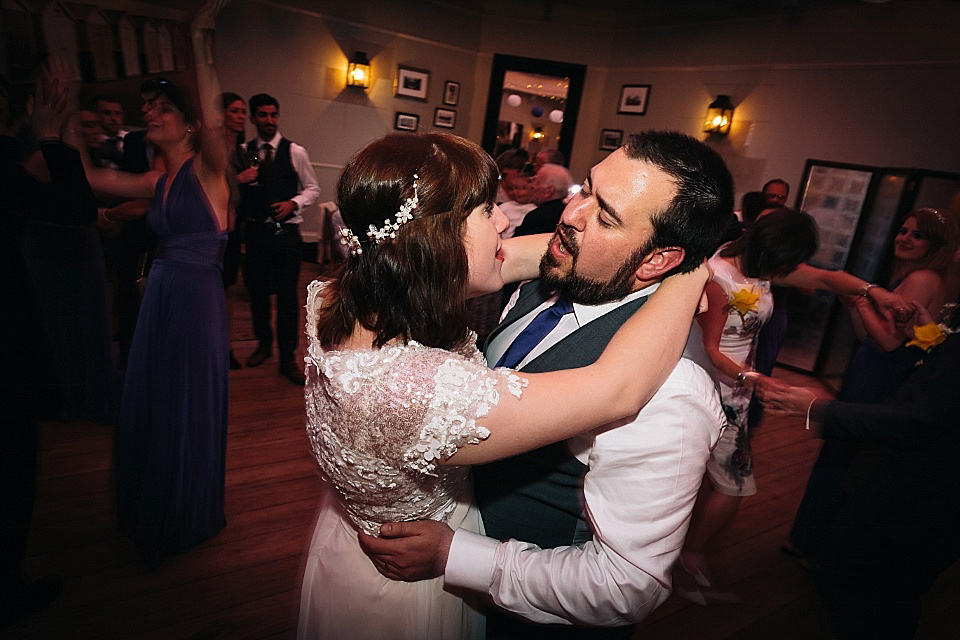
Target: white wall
{"type": "Point", "coordinates": [868, 84]}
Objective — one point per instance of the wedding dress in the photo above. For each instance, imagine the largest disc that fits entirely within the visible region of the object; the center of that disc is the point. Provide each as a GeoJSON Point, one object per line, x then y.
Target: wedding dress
{"type": "Point", "coordinates": [378, 420]}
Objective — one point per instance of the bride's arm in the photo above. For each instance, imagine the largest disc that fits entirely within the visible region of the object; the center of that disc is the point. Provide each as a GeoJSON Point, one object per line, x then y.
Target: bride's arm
{"type": "Point", "coordinates": [560, 404]}
{"type": "Point", "coordinates": [521, 257]}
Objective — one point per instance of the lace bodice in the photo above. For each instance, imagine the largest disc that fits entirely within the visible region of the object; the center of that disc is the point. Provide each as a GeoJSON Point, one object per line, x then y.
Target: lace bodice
{"type": "Point", "coordinates": [378, 421]}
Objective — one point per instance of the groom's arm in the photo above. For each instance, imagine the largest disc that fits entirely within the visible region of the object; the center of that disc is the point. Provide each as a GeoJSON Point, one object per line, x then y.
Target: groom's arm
{"type": "Point", "coordinates": [639, 493]}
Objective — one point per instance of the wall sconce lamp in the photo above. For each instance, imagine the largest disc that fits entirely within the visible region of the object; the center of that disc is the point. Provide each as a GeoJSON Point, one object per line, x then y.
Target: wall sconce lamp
{"type": "Point", "coordinates": [538, 133]}
{"type": "Point", "coordinates": [719, 116]}
{"type": "Point", "coordinates": [358, 71]}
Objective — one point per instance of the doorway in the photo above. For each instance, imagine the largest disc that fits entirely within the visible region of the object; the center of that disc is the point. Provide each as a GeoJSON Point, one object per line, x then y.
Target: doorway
{"type": "Point", "coordinates": [544, 101]}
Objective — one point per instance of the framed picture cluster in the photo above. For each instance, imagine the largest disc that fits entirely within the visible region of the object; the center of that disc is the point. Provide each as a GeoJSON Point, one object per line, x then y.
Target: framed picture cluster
{"type": "Point", "coordinates": [414, 84]}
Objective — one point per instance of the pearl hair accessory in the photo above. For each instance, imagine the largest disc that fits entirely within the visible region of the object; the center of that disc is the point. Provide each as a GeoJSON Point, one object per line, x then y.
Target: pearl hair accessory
{"type": "Point", "coordinates": [389, 228]}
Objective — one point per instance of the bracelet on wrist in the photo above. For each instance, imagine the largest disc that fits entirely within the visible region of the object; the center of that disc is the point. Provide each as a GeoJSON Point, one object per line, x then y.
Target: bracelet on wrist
{"type": "Point", "coordinates": [864, 291]}
{"type": "Point", "coordinates": [742, 378]}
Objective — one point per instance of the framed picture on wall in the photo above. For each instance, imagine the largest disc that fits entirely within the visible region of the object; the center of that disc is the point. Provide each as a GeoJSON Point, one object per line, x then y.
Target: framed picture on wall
{"type": "Point", "coordinates": [611, 139]}
{"type": "Point", "coordinates": [412, 83]}
{"type": "Point", "coordinates": [446, 118]}
{"type": "Point", "coordinates": [633, 99]}
{"type": "Point", "coordinates": [406, 121]}
{"type": "Point", "coordinates": [451, 93]}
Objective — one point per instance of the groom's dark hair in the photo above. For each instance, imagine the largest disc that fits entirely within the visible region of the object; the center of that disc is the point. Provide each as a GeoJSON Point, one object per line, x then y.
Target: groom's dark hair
{"type": "Point", "coordinates": [698, 215]}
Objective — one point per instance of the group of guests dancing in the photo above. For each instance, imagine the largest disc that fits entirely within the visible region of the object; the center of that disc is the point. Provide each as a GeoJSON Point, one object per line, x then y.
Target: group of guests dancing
{"type": "Point", "coordinates": [172, 422]}
{"type": "Point", "coordinates": [606, 415]}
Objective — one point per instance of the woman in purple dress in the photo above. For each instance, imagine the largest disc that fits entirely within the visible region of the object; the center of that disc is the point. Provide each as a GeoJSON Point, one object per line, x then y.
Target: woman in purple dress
{"type": "Point", "coordinates": [171, 434]}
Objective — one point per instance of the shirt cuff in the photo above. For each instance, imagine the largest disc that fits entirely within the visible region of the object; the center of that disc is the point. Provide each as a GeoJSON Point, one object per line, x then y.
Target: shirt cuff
{"type": "Point", "coordinates": [470, 562]}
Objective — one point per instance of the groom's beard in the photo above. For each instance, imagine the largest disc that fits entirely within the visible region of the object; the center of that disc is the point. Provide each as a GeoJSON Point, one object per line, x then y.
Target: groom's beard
{"type": "Point", "coordinates": [576, 288]}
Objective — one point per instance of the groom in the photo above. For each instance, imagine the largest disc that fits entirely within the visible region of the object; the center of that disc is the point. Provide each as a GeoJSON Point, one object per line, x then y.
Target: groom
{"type": "Point", "coordinates": [585, 532]}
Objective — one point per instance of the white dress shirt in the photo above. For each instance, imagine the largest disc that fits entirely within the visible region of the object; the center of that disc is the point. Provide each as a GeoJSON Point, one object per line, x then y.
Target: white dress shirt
{"type": "Point", "coordinates": [309, 188]}
{"type": "Point", "coordinates": [642, 481]}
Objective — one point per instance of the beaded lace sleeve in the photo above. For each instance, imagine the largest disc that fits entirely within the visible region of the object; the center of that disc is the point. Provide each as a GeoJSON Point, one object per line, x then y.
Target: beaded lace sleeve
{"type": "Point", "coordinates": [464, 391]}
{"type": "Point", "coordinates": [380, 420]}
{"type": "Point", "coordinates": [314, 303]}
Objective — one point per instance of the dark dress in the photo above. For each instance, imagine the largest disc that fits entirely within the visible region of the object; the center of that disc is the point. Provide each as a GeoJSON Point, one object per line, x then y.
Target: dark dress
{"type": "Point", "coordinates": [872, 377]}
{"type": "Point", "coordinates": [172, 431]}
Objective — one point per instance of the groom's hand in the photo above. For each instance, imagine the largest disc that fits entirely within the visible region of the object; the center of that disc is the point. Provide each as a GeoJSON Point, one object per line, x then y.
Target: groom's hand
{"type": "Point", "coordinates": [409, 551]}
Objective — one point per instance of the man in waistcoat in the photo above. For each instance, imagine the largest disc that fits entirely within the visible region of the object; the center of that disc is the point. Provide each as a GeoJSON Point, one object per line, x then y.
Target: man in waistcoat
{"type": "Point", "coordinates": [110, 113]}
{"type": "Point", "coordinates": [583, 533]}
{"type": "Point", "coordinates": [272, 206]}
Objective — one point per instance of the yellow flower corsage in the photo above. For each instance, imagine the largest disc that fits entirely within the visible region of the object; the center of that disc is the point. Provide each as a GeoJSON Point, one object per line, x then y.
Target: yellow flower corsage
{"type": "Point", "coordinates": [744, 300]}
{"type": "Point", "coordinates": [927, 336]}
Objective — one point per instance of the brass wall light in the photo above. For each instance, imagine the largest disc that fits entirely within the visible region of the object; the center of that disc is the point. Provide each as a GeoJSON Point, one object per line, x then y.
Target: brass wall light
{"type": "Point", "coordinates": [719, 116]}
{"type": "Point", "coordinates": [358, 71]}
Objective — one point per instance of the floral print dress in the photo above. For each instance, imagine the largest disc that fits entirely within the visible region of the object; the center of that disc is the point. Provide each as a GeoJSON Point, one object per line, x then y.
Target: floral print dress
{"type": "Point", "coordinates": [749, 305]}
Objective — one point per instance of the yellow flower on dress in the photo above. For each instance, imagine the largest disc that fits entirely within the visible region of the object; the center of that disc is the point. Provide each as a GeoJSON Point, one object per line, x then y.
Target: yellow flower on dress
{"type": "Point", "coordinates": [744, 300]}
{"type": "Point", "coordinates": [927, 336]}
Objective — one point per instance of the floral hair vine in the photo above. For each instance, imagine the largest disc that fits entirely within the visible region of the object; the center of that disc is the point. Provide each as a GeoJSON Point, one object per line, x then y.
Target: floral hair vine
{"type": "Point", "coordinates": [389, 228]}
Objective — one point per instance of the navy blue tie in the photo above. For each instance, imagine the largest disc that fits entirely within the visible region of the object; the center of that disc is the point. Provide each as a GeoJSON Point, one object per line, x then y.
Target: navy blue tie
{"type": "Point", "coordinates": [536, 331]}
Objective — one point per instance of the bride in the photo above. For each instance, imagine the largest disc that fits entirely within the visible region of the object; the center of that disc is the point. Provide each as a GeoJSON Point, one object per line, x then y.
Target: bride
{"type": "Point", "coordinates": [399, 399]}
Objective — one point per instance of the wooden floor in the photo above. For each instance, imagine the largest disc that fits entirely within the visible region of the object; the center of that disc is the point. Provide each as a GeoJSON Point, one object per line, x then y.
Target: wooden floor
{"type": "Point", "coordinates": [245, 582]}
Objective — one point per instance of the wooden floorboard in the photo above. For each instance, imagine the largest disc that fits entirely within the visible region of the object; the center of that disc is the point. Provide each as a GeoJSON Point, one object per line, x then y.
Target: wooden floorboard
{"type": "Point", "coordinates": [244, 583]}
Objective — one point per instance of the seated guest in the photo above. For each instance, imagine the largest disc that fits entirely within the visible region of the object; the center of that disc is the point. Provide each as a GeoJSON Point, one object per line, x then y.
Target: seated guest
{"type": "Point", "coordinates": [518, 205]}
{"type": "Point", "coordinates": [898, 526]}
{"type": "Point", "coordinates": [548, 156]}
{"type": "Point", "coordinates": [510, 162]}
{"type": "Point", "coordinates": [548, 189]}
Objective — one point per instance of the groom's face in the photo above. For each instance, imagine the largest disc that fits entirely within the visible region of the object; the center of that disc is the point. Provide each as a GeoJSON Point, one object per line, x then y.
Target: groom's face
{"type": "Point", "coordinates": [605, 230]}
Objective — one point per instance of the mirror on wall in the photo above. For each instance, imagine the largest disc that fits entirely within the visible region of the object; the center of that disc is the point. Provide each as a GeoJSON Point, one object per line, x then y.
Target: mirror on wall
{"type": "Point", "coordinates": [532, 104]}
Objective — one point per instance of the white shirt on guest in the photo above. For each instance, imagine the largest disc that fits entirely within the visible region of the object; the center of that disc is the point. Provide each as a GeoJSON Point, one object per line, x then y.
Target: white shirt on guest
{"type": "Point", "coordinates": [309, 188]}
{"type": "Point", "coordinates": [639, 491]}
{"type": "Point", "coordinates": [515, 213]}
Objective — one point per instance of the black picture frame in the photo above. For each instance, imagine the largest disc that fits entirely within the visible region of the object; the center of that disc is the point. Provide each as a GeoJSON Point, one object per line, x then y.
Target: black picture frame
{"type": "Point", "coordinates": [403, 121]}
{"type": "Point", "coordinates": [634, 99]}
{"type": "Point", "coordinates": [444, 118]}
{"type": "Point", "coordinates": [611, 139]}
{"type": "Point", "coordinates": [412, 83]}
{"type": "Point", "coordinates": [451, 93]}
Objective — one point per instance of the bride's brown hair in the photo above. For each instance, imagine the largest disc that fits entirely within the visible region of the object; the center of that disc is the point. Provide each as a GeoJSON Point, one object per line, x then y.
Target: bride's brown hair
{"type": "Point", "coordinates": [413, 286]}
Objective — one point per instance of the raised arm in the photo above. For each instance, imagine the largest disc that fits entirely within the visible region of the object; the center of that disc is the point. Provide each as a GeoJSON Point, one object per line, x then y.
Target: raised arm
{"type": "Point", "coordinates": [844, 284]}
{"type": "Point", "coordinates": [560, 404]}
{"type": "Point", "coordinates": [922, 288]}
{"type": "Point", "coordinates": [212, 166]}
{"type": "Point", "coordinates": [521, 256]}
{"type": "Point", "coordinates": [67, 198]}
